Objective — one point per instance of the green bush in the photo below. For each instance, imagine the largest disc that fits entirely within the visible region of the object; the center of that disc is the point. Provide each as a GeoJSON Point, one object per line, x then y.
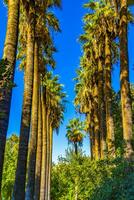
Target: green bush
{"type": "Point", "coordinates": [95, 180]}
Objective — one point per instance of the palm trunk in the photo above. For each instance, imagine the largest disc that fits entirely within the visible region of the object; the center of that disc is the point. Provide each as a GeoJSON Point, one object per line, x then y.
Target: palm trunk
{"type": "Point", "coordinates": [96, 122]}
{"type": "Point", "coordinates": [108, 97]}
{"type": "Point", "coordinates": [124, 82]}
{"type": "Point", "coordinates": [91, 143]}
{"type": "Point", "coordinates": [76, 148]}
{"type": "Point", "coordinates": [48, 152]}
{"type": "Point", "coordinates": [39, 153]}
{"type": "Point", "coordinates": [10, 49]}
{"type": "Point", "coordinates": [34, 128]}
{"type": "Point", "coordinates": [44, 149]}
{"type": "Point", "coordinates": [90, 121]}
{"type": "Point", "coordinates": [90, 131]}
{"type": "Point", "coordinates": [92, 134]}
{"type": "Point", "coordinates": [50, 162]}
{"type": "Point", "coordinates": [96, 137]}
{"type": "Point", "coordinates": [20, 179]}
{"type": "Point", "coordinates": [101, 108]}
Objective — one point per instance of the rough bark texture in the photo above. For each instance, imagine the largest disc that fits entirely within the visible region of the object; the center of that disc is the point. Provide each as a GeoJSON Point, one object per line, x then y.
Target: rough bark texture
{"type": "Point", "coordinates": [108, 97]}
{"type": "Point", "coordinates": [34, 128]}
{"type": "Point", "coordinates": [20, 179]}
{"type": "Point", "coordinates": [124, 81]}
{"type": "Point", "coordinates": [44, 148]}
{"type": "Point", "coordinates": [39, 153]}
{"type": "Point", "coordinates": [101, 108]}
{"type": "Point", "coordinates": [10, 49]}
{"type": "Point", "coordinates": [96, 123]}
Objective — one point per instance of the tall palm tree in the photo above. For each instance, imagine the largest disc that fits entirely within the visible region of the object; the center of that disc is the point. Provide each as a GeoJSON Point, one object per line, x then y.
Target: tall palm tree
{"type": "Point", "coordinates": [124, 81]}
{"type": "Point", "coordinates": [75, 134]}
{"type": "Point", "coordinates": [57, 108]}
{"type": "Point", "coordinates": [34, 125]}
{"type": "Point", "coordinates": [108, 94]}
{"type": "Point", "coordinates": [35, 15]}
{"type": "Point", "coordinates": [44, 147]}
{"type": "Point", "coordinates": [84, 92]}
{"type": "Point", "coordinates": [56, 119]}
{"type": "Point", "coordinates": [9, 54]}
{"type": "Point", "coordinates": [19, 186]}
{"type": "Point", "coordinates": [50, 22]}
{"type": "Point", "coordinates": [53, 115]}
{"type": "Point", "coordinates": [101, 106]}
{"type": "Point", "coordinates": [100, 30]}
{"type": "Point", "coordinates": [96, 119]}
{"type": "Point", "coordinates": [39, 152]}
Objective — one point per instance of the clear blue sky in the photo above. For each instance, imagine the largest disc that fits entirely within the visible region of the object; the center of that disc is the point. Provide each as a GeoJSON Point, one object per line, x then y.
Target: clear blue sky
{"type": "Point", "coordinates": [67, 59]}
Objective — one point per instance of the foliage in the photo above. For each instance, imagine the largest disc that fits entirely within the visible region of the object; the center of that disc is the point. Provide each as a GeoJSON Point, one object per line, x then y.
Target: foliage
{"type": "Point", "coordinates": [116, 109]}
{"type": "Point", "coordinates": [10, 162]}
{"type": "Point", "coordinates": [5, 73]}
{"type": "Point", "coordinates": [97, 180]}
{"type": "Point", "coordinates": [75, 130]}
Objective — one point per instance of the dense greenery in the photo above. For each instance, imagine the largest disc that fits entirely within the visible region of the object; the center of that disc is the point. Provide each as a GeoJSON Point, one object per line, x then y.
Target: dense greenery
{"type": "Point", "coordinates": [10, 166]}
{"type": "Point", "coordinates": [97, 180]}
{"type": "Point", "coordinates": [104, 179]}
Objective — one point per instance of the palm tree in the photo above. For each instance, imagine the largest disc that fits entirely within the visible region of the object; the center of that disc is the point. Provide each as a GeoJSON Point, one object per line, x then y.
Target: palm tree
{"type": "Point", "coordinates": [38, 26]}
{"type": "Point", "coordinates": [44, 147]}
{"type": "Point", "coordinates": [19, 186]}
{"type": "Point", "coordinates": [39, 152]}
{"type": "Point", "coordinates": [9, 54]}
{"type": "Point", "coordinates": [53, 114]}
{"type": "Point", "coordinates": [124, 81]}
{"type": "Point", "coordinates": [86, 96]}
{"type": "Point", "coordinates": [57, 108]}
{"type": "Point", "coordinates": [108, 94]}
{"type": "Point", "coordinates": [75, 133]}
{"type": "Point", "coordinates": [34, 125]}
{"type": "Point", "coordinates": [96, 119]}
{"type": "Point", "coordinates": [41, 33]}
{"type": "Point", "coordinates": [101, 106]}
{"type": "Point", "coordinates": [100, 30]}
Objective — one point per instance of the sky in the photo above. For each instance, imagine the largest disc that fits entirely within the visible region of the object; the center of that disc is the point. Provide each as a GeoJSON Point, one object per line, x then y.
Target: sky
{"type": "Point", "coordinates": [67, 59]}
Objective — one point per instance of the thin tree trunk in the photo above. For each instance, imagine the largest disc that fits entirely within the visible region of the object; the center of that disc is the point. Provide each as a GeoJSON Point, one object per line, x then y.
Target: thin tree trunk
{"type": "Point", "coordinates": [92, 134]}
{"type": "Point", "coordinates": [101, 107]}
{"type": "Point", "coordinates": [20, 179]}
{"type": "Point", "coordinates": [91, 143]}
{"type": "Point", "coordinates": [124, 82]}
{"type": "Point", "coordinates": [48, 152]}
{"type": "Point", "coordinates": [108, 97]}
{"type": "Point", "coordinates": [39, 153]}
{"type": "Point", "coordinates": [76, 148]}
{"type": "Point", "coordinates": [10, 49]}
{"type": "Point", "coordinates": [44, 149]}
{"type": "Point", "coordinates": [50, 163]}
{"type": "Point", "coordinates": [34, 127]}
